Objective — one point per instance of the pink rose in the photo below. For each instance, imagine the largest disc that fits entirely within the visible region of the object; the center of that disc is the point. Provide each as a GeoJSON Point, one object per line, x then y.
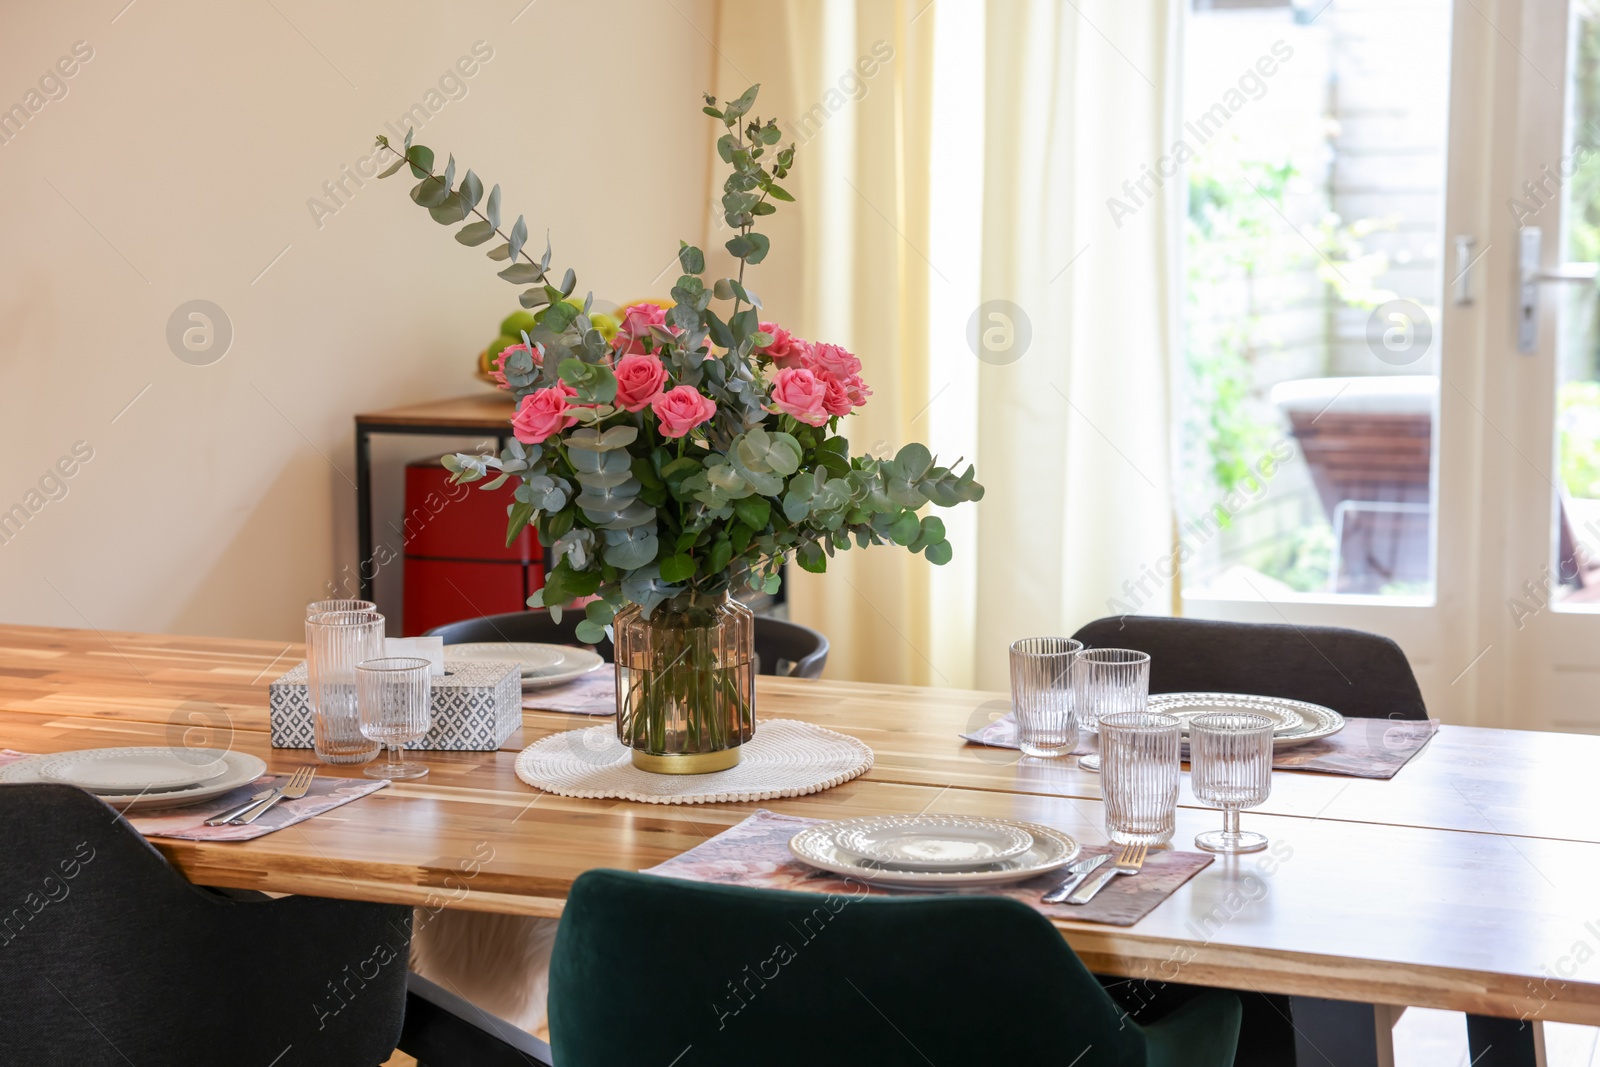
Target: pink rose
{"type": "Point", "coordinates": [786, 350]}
{"type": "Point", "coordinates": [499, 372]}
{"type": "Point", "coordinates": [639, 381]}
{"type": "Point", "coordinates": [636, 322]}
{"type": "Point", "coordinates": [802, 394]}
{"type": "Point", "coordinates": [834, 361]}
{"type": "Point", "coordinates": [543, 414]}
{"type": "Point", "coordinates": [681, 410]}
{"type": "Point", "coordinates": [836, 399]}
{"type": "Point", "coordinates": [856, 390]}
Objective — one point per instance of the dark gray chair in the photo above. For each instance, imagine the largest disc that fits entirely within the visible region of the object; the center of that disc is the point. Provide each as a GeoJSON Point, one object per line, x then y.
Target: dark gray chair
{"type": "Point", "coordinates": [1357, 674]}
{"type": "Point", "coordinates": [108, 956]}
{"type": "Point", "coordinates": [783, 647]}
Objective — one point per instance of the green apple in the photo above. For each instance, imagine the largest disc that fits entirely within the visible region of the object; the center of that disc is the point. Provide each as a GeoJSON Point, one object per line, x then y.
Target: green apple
{"type": "Point", "coordinates": [515, 323]}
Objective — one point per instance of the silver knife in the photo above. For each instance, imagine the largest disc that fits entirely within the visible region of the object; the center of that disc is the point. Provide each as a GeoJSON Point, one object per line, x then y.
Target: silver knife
{"type": "Point", "coordinates": [1075, 876]}
{"type": "Point", "coordinates": [234, 813]}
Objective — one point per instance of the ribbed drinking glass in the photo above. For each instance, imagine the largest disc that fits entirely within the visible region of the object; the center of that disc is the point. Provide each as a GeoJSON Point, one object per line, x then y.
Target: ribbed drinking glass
{"type": "Point", "coordinates": [322, 607]}
{"type": "Point", "coordinates": [1139, 771]}
{"type": "Point", "coordinates": [394, 696]}
{"type": "Point", "coordinates": [1230, 763]}
{"type": "Point", "coordinates": [1108, 681]}
{"type": "Point", "coordinates": [1041, 695]}
{"type": "Point", "coordinates": [335, 642]}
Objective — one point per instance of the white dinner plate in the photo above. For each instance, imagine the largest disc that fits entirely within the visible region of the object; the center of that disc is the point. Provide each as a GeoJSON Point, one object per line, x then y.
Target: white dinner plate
{"type": "Point", "coordinates": [535, 659]}
{"type": "Point", "coordinates": [1315, 721]}
{"type": "Point", "coordinates": [1051, 850]}
{"type": "Point", "coordinates": [155, 769]}
{"type": "Point", "coordinates": [243, 769]}
{"type": "Point", "coordinates": [542, 665]}
{"type": "Point", "coordinates": [932, 842]}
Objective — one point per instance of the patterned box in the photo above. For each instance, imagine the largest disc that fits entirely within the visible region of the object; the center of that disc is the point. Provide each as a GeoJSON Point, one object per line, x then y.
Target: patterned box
{"type": "Point", "coordinates": [476, 706]}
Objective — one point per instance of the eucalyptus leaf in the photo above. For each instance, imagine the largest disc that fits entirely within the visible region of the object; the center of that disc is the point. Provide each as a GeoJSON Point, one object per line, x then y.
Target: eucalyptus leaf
{"type": "Point", "coordinates": [491, 209]}
{"type": "Point", "coordinates": [471, 190]}
{"type": "Point", "coordinates": [430, 192]}
{"type": "Point", "coordinates": [519, 237]}
{"type": "Point", "coordinates": [521, 274]}
{"type": "Point", "coordinates": [475, 233]}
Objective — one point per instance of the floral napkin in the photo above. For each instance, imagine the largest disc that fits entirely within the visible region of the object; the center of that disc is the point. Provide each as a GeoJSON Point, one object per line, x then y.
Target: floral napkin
{"type": "Point", "coordinates": [1365, 748]}
{"type": "Point", "coordinates": [756, 853]}
{"type": "Point", "coordinates": [187, 821]}
{"type": "Point", "coordinates": [593, 694]}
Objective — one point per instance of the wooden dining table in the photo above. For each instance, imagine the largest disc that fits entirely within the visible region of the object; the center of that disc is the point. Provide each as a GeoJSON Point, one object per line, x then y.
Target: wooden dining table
{"type": "Point", "coordinates": [1470, 881]}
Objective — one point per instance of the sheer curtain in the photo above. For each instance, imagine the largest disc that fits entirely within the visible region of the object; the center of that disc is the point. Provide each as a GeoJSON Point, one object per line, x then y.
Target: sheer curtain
{"type": "Point", "coordinates": [986, 220]}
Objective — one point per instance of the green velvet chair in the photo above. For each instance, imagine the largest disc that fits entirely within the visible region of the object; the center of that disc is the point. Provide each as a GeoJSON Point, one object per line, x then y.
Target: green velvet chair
{"type": "Point", "coordinates": [657, 971]}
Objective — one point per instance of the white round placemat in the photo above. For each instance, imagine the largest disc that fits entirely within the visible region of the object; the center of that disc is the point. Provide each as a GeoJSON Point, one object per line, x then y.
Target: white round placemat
{"type": "Point", "coordinates": [785, 758]}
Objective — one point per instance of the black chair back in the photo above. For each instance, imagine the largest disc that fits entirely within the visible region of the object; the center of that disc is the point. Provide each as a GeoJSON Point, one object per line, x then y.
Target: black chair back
{"type": "Point", "coordinates": [108, 956]}
{"type": "Point", "coordinates": [783, 647]}
{"type": "Point", "coordinates": [1355, 673]}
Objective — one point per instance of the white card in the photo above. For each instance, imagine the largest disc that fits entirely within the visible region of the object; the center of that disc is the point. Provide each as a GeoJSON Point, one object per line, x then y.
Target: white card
{"type": "Point", "coordinates": [428, 648]}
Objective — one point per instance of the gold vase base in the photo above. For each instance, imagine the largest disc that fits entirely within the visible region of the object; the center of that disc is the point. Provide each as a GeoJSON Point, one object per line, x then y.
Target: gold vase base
{"type": "Point", "coordinates": [687, 762]}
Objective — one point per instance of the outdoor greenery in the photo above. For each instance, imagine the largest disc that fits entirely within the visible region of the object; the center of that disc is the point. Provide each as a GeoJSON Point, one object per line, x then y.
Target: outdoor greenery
{"type": "Point", "coordinates": [1238, 245]}
{"type": "Point", "coordinates": [698, 447]}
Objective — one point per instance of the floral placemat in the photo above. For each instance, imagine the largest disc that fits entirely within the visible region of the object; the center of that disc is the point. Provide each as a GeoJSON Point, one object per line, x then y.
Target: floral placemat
{"type": "Point", "coordinates": [187, 821]}
{"type": "Point", "coordinates": [756, 853]}
{"type": "Point", "coordinates": [593, 694]}
{"type": "Point", "coordinates": [1365, 748]}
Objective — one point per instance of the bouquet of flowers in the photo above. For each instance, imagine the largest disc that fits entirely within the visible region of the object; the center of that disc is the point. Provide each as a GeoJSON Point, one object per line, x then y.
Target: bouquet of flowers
{"type": "Point", "coordinates": [695, 447]}
{"type": "Point", "coordinates": [699, 447]}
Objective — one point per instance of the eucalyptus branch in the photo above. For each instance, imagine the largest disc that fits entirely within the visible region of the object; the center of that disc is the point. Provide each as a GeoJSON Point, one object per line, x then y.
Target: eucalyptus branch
{"type": "Point", "coordinates": [440, 179]}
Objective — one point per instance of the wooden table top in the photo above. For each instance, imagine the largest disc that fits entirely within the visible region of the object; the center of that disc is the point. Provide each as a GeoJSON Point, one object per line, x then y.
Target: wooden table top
{"type": "Point", "coordinates": [488, 410]}
{"type": "Point", "coordinates": [1467, 882]}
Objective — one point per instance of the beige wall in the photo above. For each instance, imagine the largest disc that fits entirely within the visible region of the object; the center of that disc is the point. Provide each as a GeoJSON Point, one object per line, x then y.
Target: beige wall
{"type": "Point", "coordinates": [179, 164]}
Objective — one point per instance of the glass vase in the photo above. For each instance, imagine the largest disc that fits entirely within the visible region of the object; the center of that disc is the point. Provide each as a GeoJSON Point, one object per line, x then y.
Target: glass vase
{"type": "Point", "coordinates": [686, 696]}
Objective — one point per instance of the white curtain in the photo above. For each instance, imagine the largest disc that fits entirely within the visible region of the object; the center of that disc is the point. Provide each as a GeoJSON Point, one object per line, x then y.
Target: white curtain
{"type": "Point", "coordinates": [960, 186]}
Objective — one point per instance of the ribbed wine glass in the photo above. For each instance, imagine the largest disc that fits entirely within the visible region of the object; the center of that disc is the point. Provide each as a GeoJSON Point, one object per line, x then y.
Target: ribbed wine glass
{"type": "Point", "coordinates": [1042, 696]}
{"type": "Point", "coordinates": [1108, 681]}
{"type": "Point", "coordinates": [1230, 764]}
{"type": "Point", "coordinates": [395, 694]}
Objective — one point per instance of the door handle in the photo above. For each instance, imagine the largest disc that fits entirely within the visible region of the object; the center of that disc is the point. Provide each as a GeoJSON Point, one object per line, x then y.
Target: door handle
{"type": "Point", "coordinates": [1530, 276]}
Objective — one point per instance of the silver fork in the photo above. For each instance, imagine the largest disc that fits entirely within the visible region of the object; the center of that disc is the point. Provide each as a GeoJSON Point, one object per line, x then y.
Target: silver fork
{"type": "Point", "coordinates": [1129, 862]}
{"type": "Point", "coordinates": [299, 782]}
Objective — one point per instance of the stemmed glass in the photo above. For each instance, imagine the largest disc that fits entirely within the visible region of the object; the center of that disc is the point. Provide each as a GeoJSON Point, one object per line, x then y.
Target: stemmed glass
{"type": "Point", "coordinates": [1108, 681]}
{"type": "Point", "coordinates": [1042, 696]}
{"type": "Point", "coordinates": [1230, 760]}
{"type": "Point", "coordinates": [394, 695]}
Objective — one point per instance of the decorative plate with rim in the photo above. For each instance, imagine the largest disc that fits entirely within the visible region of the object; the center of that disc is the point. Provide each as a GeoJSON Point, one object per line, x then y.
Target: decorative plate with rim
{"type": "Point", "coordinates": [151, 769]}
{"type": "Point", "coordinates": [242, 769]}
{"type": "Point", "coordinates": [932, 842]}
{"type": "Point", "coordinates": [1051, 850]}
{"type": "Point", "coordinates": [542, 665]}
{"type": "Point", "coordinates": [1312, 721]}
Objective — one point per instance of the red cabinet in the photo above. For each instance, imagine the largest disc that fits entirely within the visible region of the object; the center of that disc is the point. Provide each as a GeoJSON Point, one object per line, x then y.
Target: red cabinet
{"type": "Point", "coordinates": [457, 562]}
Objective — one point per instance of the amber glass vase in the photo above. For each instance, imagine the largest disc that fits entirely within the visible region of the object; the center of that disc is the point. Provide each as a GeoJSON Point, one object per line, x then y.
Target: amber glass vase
{"type": "Point", "coordinates": [686, 696]}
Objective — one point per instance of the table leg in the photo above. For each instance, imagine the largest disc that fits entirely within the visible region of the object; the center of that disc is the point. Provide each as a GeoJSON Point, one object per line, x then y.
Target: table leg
{"type": "Point", "coordinates": [364, 511]}
{"type": "Point", "coordinates": [1493, 1042]}
{"type": "Point", "coordinates": [1334, 1033]}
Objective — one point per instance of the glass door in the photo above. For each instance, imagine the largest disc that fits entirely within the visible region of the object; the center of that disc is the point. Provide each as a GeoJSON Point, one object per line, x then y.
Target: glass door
{"type": "Point", "coordinates": [1317, 159]}
{"type": "Point", "coordinates": [1552, 587]}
